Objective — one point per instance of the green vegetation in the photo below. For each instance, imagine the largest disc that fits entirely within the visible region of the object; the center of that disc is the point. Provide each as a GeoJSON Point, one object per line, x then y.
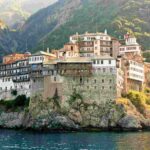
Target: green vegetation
{"type": "Point", "coordinates": [139, 99]}
{"type": "Point", "coordinates": [75, 96]}
{"type": "Point", "coordinates": [56, 99]}
{"type": "Point", "coordinates": [19, 101]}
{"type": "Point", "coordinates": [147, 56]}
{"type": "Point", "coordinates": [118, 16]}
{"type": "Point", "coordinates": [14, 92]}
{"type": "Point", "coordinates": [52, 26]}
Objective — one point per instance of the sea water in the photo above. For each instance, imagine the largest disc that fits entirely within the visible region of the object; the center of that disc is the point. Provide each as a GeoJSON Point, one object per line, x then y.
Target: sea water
{"type": "Point", "coordinates": [25, 140]}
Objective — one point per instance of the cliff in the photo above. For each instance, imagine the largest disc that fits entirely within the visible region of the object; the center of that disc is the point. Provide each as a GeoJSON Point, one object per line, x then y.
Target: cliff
{"type": "Point", "coordinates": [82, 115]}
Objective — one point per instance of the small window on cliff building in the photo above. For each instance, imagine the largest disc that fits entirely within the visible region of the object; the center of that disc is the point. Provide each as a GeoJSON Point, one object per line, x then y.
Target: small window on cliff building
{"type": "Point", "coordinates": [55, 79]}
{"type": "Point", "coordinates": [74, 79]}
{"type": "Point", "coordinates": [72, 48]}
{"type": "Point", "coordinates": [87, 80]}
{"type": "Point", "coordinates": [81, 80]}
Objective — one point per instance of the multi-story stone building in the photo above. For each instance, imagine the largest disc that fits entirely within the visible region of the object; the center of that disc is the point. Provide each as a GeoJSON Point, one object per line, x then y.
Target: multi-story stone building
{"type": "Point", "coordinates": [130, 46]}
{"type": "Point", "coordinates": [90, 45]}
{"type": "Point", "coordinates": [15, 76]}
{"type": "Point", "coordinates": [94, 78]}
{"type": "Point", "coordinates": [14, 57]}
{"type": "Point", "coordinates": [44, 79]}
{"type": "Point", "coordinates": [134, 75]}
{"type": "Point", "coordinates": [147, 74]}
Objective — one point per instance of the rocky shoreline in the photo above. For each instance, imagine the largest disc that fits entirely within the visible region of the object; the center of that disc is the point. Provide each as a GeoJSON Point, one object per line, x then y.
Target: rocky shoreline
{"type": "Point", "coordinates": [82, 116]}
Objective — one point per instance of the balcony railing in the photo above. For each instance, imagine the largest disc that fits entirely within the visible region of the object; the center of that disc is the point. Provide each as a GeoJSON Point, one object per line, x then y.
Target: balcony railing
{"type": "Point", "coordinates": [21, 80]}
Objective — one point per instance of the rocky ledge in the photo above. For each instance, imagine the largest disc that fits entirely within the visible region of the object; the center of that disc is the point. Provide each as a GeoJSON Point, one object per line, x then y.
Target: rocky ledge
{"type": "Point", "coordinates": [82, 115]}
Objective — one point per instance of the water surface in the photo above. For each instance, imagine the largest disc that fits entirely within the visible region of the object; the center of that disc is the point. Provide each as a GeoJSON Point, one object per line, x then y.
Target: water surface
{"type": "Point", "coordinates": [23, 140]}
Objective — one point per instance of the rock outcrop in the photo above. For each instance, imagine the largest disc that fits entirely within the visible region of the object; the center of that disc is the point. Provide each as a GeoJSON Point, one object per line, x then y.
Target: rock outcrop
{"type": "Point", "coordinates": [81, 115]}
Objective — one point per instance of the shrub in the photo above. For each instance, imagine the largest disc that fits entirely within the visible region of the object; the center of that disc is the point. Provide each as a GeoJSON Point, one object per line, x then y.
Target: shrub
{"type": "Point", "coordinates": [56, 99]}
{"type": "Point", "coordinates": [138, 99]}
{"type": "Point", "coordinates": [74, 97]}
{"type": "Point", "coordinates": [19, 101]}
{"type": "Point", "coordinates": [148, 101]}
{"type": "Point", "coordinates": [147, 90]}
{"type": "Point", "coordinates": [14, 92]}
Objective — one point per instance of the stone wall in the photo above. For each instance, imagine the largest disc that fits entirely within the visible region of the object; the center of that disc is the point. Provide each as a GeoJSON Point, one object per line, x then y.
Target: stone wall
{"type": "Point", "coordinates": [99, 87]}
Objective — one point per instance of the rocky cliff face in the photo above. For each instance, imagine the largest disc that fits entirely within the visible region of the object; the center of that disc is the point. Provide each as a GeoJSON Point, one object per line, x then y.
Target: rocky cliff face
{"type": "Point", "coordinates": [80, 116]}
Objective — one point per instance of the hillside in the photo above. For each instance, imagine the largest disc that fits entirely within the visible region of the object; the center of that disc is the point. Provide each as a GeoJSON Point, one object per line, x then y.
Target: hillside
{"type": "Point", "coordinates": [51, 26]}
{"type": "Point", "coordinates": [118, 16]}
{"type": "Point", "coordinates": [16, 12]}
{"type": "Point", "coordinates": [7, 44]}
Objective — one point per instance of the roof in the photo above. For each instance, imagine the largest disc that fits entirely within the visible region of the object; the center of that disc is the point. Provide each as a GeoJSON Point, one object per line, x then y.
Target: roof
{"type": "Point", "coordinates": [44, 53]}
{"type": "Point", "coordinates": [104, 57]}
{"type": "Point", "coordinates": [91, 34]}
{"type": "Point", "coordinates": [76, 60]}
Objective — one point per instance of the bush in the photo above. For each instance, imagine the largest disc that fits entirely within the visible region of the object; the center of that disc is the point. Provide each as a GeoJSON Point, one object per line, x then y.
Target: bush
{"type": "Point", "coordinates": [74, 97]}
{"type": "Point", "coordinates": [148, 101]}
{"type": "Point", "coordinates": [19, 101]}
{"type": "Point", "coordinates": [138, 99]}
{"type": "Point", "coordinates": [14, 92]}
{"type": "Point", "coordinates": [56, 99]}
{"type": "Point", "coordinates": [147, 90]}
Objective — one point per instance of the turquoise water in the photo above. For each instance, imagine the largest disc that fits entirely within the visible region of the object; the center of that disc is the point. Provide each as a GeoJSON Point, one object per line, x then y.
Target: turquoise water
{"type": "Point", "coordinates": [18, 140]}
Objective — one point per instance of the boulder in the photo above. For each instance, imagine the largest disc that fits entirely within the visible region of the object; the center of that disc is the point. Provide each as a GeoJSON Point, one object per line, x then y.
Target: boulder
{"type": "Point", "coordinates": [130, 123]}
{"type": "Point", "coordinates": [11, 120]}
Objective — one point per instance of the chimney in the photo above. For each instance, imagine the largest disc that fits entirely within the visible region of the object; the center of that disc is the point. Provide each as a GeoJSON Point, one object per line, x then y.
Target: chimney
{"type": "Point", "coordinates": [47, 50]}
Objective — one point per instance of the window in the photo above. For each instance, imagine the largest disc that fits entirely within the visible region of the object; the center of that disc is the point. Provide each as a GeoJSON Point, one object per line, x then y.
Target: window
{"type": "Point", "coordinates": [109, 61]}
{"type": "Point", "coordinates": [55, 79]}
{"type": "Point", "coordinates": [102, 80]}
{"type": "Point", "coordinates": [111, 70]}
{"type": "Point", "coordinates": [104, 69]}
{"type": "Point", "coordinates": [103, 87]}
{"type": "Point", "coordinates": [95, 80]}
{"type": "Point", "coordinates": [110, 87]}
{"type": "Point", "coordinates": [81, 80]}
{"type": "Point", "coordinates": [102, 62]}
{"type": "Point", "coordinates": [110, 81]}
